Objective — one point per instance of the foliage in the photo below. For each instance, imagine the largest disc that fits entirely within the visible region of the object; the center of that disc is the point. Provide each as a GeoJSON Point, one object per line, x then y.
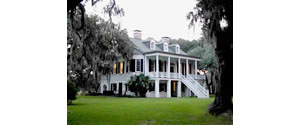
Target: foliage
{"type": "Point", "coordinates": [72, 91]}
{"type": "Point", "coordinates": [217, 19]}
{"type": "Point", "coordinates": [93, 49]}
{"type": "Point", "coordinates": [139, 84]}
{"type": "Point", "coordinates": [187, 45]}
{"type": "Point", "coordinates": [77, 6]}
{"type": "Point", "coordinates": [121, 110]}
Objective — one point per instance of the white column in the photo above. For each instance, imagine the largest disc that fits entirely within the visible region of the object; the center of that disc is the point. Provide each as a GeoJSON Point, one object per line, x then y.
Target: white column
{"type": "Point", "coordinates": [169, 89]}
{"type": "Point", "coordinates": [123, 89]}
{"type": "Point", "coordinates": [179, 89]}
{"type": "Point", "coordinates": [168, 67]}
{"type": "Point", "coordinates": [157, 70]}
{"type": "Point", "coordinates": [179, 67]}
{"type": "Point", "coordinates": [157, 88]}
{"type": "Point", "coordinates": [187, 67]}
{"type": "Point", "coordinates": [146, 67]}
{"type": "Point", "coordinates": [195, 69]}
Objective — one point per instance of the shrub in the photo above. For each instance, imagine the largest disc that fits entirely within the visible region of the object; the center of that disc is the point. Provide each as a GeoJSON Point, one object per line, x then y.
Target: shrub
{"type": "Point", "coordinates": [108, 93]}
{"type": "Point", "coordinates": [139, 84]}
{"type": "Point", "coordinates": [72, 91]}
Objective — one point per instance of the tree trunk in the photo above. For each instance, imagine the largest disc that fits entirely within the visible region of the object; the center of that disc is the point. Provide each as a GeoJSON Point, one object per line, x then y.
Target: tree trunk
{"type": "Point", "coordinates": [206, 79]}
{"type": "Point", "coordinates": [224, 79]}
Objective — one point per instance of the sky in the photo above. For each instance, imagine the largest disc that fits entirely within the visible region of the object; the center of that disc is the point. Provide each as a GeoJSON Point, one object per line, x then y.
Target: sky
{"type": "Point", "coordinates": [156, 18]}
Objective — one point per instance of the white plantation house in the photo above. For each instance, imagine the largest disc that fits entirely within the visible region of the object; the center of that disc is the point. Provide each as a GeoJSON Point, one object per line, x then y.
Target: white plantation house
{"type": "Point", "coordinates": [173, 73]}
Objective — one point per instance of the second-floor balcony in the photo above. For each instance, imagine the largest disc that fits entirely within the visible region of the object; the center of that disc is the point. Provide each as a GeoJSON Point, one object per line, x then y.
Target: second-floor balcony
{"type": "Point", "coordinates": [171, 75]}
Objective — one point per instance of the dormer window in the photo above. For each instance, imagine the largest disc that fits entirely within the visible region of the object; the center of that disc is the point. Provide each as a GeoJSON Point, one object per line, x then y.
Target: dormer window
{"type": "Point", "coordinates": [152, 45]}
{"type": "Point", "coordinates": [166, 46]}
{"type": "Point", "coordinates": [177, 49]}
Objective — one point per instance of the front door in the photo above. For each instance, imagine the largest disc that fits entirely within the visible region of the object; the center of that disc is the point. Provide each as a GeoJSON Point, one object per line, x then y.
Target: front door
{"type": "Point", "coordinates": [120, 89]}
{"type": "Point", "coordinates": [173, 89]}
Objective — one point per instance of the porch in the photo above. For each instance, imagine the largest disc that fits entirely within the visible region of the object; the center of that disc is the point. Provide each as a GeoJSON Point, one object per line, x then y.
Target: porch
{"type": "Point", "coordinates": [169, 66]}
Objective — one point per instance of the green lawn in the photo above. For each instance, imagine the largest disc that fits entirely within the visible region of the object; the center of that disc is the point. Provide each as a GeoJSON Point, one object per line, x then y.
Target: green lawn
{"type": "Point", "coordinates": [121, 110]}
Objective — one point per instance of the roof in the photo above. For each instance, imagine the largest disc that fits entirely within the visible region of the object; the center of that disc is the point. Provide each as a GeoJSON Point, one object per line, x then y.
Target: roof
{"type": "Point", "coordinates": [143, 46]}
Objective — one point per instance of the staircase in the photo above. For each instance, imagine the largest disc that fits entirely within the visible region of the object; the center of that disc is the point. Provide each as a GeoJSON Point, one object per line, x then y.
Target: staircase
{"type": "Point", "coordinates": [194, 86]}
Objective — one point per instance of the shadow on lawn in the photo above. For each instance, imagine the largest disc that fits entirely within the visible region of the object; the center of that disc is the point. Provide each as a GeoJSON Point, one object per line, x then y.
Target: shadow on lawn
{"type": "Point", "coordinates": [75, 104]}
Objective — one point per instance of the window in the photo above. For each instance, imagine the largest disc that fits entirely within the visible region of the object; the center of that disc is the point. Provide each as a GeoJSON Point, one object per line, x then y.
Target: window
{"type": "Point", "coordinates": [166, 47]}
{"type": "Point", "coordinates": [151, 87]}
{"type": "Point", "coordinates": [138, 65]}
{"type": "Point", "coordinates": [113, 87]}
{"type": "Point", "coordinates": [177, 49]}
{"type": "Point", "coordinates": [152, 45]}
{"type": "Point", "coordinates": [121, 68]}
{"type": "Point", "coordinates": [163, 87]}
{"type": "Point", "coordinates": [151, 65]}
{"type": "Point", "coordinates": [115, 68]}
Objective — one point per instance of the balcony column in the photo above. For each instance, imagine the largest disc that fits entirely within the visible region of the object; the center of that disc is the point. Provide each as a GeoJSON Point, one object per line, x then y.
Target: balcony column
{"type": "Point", "coordinates": [179, 88]}
{"type": "Point", "coordinates": [168, 67]}
{"type": "Point", "coordinates": [157, 70]}
{"type": "Point", "coordinates": [187, 67]}
{"type": "Point", "coordinates": [195, 69]}
{"type": "Point", "coordinates": [157, 88]}
{"type": "Point", "coordinates": [146, 67]}
{"type": "Point", "coordinates": [179, 67]}
{"type": "Point", "coordinates": [169, 88]}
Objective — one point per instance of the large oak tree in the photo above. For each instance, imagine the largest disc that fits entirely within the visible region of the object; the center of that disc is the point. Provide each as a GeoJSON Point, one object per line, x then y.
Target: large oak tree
{"type": "Point", "coordinates": [217, 19]}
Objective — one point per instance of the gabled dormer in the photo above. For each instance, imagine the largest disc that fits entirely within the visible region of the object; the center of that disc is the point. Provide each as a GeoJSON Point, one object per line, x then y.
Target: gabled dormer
{"type": "Point", "coordinates": [166, 46]}
{"type": "Point", "coordinates": [165, 41]}
{"type": "Point", "coordinates": [177, 49]}
{"type": "Point", "coordinates": [152, 44]}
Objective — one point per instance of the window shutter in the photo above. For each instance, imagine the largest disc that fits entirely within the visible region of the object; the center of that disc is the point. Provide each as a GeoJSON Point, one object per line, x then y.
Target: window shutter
{"type": "Point", "coordinates": [142, 65]}
{"type": "Point", "coordinates": [132, 65]}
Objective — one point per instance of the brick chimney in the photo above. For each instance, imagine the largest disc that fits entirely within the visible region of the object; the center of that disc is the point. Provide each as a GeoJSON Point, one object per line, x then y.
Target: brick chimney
{"type": "Point", "coordinates": [137, 34]}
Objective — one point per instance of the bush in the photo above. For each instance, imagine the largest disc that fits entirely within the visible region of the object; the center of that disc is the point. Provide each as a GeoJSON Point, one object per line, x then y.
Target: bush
{"type": "Point", "coordinates": [94, 94]}
{"type": "Point", "coordinates": [139, 85]}
{"type": "Point", "coordinates": [108, 93]}
{"type": "Point", "coordinates": [72, 91]}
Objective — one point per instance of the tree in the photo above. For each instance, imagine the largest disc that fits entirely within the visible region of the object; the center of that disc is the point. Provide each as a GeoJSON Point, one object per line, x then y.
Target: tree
{"type": "Point", "coordinates": [93, 49]}
{"type": "Point", "coordinates": [139, 84]}
{"type": "Point", "coordinates": [72, 92]}
{"type": "Point", "coordinates": [217, 19]}
{"type": "Point", "coordinates": [207, 64]}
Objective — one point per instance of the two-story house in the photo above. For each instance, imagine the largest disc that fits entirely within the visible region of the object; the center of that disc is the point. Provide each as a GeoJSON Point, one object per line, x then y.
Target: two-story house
{"type": "Point", "coordinates": [173, 73]}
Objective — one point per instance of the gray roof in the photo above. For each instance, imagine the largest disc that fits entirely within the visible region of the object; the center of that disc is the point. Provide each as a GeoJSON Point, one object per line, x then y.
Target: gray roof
{"type": "Point", "coordinates": [143, 46]}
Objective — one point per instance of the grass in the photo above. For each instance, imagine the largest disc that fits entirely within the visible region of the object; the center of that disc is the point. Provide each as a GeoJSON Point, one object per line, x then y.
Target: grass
{"type": "Point", "coordinates": [120, 110]}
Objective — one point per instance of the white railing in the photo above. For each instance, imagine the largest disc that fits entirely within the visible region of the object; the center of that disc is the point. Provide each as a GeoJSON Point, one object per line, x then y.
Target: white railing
{"type": "Point", "coordinates": [202, 88]}
{"type": "Point", "coordinates": [162, 74]}
{"type": "Point", "coordinates": [197, 76]}
{"type": "Point", "coordinates": [174, 75]}
{"type": "Point", "coordinates": [193, 85]}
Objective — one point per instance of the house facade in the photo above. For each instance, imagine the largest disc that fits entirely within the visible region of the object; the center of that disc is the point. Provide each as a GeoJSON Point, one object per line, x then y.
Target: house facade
{"type": "Point", "coordinates": [172, 72]}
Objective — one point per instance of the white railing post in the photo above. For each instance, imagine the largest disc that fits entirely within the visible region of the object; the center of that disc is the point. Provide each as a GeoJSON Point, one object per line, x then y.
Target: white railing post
{"type": "Point", "coordinates": [179, 68]}
{"type": "Point", "coordinates": [146, 67]}
{"type": "Point", "coordinates": [157, 70]}
{"type": "Point", "coordinates": [168, 67]}
{"type": "Point", "coordinates": [195, 69]}
{"type": "Point", "coordinates": [187, 67]}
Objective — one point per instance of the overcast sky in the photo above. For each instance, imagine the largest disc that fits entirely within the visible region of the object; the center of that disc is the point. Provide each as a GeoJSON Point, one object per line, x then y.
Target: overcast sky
{"type": "Point", "coordinates": [156, 18]}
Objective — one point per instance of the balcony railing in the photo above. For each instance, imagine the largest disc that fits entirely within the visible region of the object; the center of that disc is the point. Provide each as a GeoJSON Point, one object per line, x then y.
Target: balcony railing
{"type": "Point", "coordinates": [126, 76]}
{"type": "Point", "coordinates": [172, 75]}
